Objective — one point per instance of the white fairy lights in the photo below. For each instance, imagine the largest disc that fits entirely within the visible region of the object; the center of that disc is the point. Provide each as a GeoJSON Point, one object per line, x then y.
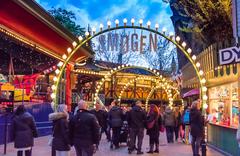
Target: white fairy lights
{"type": "Point", "coordinates": [69, 50]}
{"type": "Point", "coordinates": [171, 36]}
{"type": "Point", "coordinates": [116, 22]}
{"type": "Point", "coordinates": [132, 21]}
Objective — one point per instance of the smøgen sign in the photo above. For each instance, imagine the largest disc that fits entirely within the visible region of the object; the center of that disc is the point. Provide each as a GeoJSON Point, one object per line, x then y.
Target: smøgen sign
{"type": "Point", "coordinates": [229, 55]}
{"type": "Point", "coordinates": [130, 42]}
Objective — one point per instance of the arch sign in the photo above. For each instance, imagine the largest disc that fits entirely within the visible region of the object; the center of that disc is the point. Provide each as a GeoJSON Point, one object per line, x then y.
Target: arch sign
{"type": "Point", "coordinates": [176, 40]}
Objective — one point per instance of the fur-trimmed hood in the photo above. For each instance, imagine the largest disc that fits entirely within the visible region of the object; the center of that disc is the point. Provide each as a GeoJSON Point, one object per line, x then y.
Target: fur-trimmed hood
{"type": "Point", "coordinates": [56, 116]}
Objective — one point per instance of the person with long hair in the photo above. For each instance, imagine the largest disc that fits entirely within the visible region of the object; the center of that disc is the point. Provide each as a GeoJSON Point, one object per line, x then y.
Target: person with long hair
{"type": "Point", "coordinates": [61, 141]}
{"type": "Point", "coordinates": [24, 131]}
{"type": "Point", "coordinates": [153, 125]}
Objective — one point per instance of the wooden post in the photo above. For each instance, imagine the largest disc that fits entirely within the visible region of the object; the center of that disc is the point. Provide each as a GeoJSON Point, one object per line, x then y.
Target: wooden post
{"type": "Point", "coordinates": [111, 91]}
{"type": "Point", "coordinates": [135, 89]}
{"type": "Point", "coordinates": [161, 93]}
{"type": "Point", "coordinates": [5, 133]}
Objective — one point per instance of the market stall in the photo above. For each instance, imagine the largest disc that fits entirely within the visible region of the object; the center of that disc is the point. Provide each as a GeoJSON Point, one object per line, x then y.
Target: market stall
{"type": "Point", "coordinates": [223, 117]}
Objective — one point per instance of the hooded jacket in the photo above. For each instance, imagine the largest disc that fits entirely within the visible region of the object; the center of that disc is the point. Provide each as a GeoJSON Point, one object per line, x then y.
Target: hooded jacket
{"type": "Point", "coordinates": [169, 117]}
{"type": "Point", "coordinates": [24, 130]}
{"type": "Point", "coordinates": [136, 117]}
{"type": "Point", "coordinates": [60, 131]}
{"type": "Point", "coordinates": [196, 123]}
{"type": "Point", "coordinates": [116, 116]}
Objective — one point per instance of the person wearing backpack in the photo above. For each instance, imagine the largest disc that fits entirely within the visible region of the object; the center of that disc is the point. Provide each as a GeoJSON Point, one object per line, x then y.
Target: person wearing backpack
{"type": "Point", "coordinates": [185, 124]}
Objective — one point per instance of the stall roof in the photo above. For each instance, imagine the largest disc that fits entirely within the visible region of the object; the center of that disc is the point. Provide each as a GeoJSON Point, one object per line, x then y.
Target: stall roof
{"type": "Point", "coordinates": [25, 60]}
{"type": "Point", "coordinates": [27, 20]}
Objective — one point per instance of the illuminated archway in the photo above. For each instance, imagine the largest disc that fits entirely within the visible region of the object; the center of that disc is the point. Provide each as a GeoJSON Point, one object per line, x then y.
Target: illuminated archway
{"type": "Point", "coordinates": [120, 68]}
{"type": "Point", "coordinates": [170, 37]}
{"type": "Point", "coordinates": [164, 84]}
{"type": "Point", "coordinates": [168, 89]}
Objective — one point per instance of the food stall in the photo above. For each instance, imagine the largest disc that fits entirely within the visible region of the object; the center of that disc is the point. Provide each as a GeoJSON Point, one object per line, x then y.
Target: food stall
{"type": "Point", "coordinates": [223, 117]}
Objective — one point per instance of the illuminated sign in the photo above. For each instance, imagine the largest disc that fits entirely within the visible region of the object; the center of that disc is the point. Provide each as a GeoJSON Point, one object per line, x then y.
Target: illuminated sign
{"type": "Point", "coordinates": [229, 55]}
{"type": "Point", "coordinates": [128, 42]}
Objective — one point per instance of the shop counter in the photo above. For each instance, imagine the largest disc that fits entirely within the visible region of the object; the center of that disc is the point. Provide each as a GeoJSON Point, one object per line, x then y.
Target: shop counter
{"type": "Point", "coordinates": [224, 138]}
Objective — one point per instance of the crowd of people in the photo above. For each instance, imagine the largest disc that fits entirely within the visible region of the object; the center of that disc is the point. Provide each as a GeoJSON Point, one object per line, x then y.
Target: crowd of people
{"type": "Point", "coordinates": [83, 128]}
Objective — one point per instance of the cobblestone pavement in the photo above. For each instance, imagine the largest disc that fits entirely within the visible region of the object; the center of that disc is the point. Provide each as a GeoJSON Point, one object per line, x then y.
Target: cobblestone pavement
{"type": "Point", "coordinates": [177, 149]}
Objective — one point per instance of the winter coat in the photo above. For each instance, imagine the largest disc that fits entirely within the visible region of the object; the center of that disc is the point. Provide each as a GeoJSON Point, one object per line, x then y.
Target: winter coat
{"type": "Point", "coordinates": [136, 117]}
{"type": "Point", "coordinates": [178, 119]}
{"type": "Point", "coordinates": [101, 116]}
{"type": "Point", "coordinates": [84, 129]}
{"type": "Point", "coordinates": [156, 127]}
{"type": "Point", "coordinates": [61, 140]}
{"type": "Point", "coordinates": [24, 130]}
{"type": "Point", "coordinates": [196, 123]}
{"type": "Point", "coordinates": [169, 118]}
{"type": "Point", "coordinates": [116, 116]}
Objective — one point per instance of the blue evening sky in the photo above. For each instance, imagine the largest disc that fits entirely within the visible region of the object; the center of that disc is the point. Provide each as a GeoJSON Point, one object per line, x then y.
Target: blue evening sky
{"type": "Point", "coordinates": [94, 12]}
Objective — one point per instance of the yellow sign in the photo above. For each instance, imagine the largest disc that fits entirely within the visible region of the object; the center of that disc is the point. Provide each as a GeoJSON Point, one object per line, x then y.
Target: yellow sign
{"type": "Point", "coordinates": [7, 87]}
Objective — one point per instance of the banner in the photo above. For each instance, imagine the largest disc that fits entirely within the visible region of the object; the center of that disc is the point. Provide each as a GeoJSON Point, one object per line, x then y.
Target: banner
{"type": "Point", "coordinates": [27, 82]}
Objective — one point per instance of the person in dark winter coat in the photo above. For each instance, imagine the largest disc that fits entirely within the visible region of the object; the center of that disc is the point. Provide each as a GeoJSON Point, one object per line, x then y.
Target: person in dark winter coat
{"type": "Point", "coordinates": [154, 119]}
{"type": "Point", "coordinates": [136, 118]}
{"type": "Point", "coordinates": [84, 131]}
{"type": "Point", "coordinates": [61, 142]}
{"type": "Point", "coordinates": [24, 130]}
{"type": "Point", "coordinates": [169, 122]}
{"type": "Point", "coordinates": [177, 123]}
{"type": "Point", "coordinates": [116, 118]}
{"type": "Point", "coordinates": [196, 127]}
{"type": "Point", "coordinates": [102, 117]}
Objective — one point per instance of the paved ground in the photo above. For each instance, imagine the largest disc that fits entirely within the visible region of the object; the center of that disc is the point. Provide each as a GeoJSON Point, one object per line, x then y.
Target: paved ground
{"type": "Point", "coordinates": [177, 149]}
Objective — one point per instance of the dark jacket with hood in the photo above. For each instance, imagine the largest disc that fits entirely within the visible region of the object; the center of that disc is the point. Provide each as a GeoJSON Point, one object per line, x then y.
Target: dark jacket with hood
{"type": "Point", "coordinates": [196, 123]}
{"type": "Point", "coordinates": [116, 117]}
{"type": "Point", "coordinates": [136, 117]}
{"type": "Point", "coordinates": [169, 117]}
{"type": "Point", "coordinates": [24, 130]}
{"type": "Point", "coordinates": [60, 131]}
{"type": "Point", "coordinates": [84, 129]}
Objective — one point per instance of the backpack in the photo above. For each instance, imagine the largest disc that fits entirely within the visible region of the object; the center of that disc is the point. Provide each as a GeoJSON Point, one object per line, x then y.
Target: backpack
{"type": "Point", "coordinates": [186, 117]}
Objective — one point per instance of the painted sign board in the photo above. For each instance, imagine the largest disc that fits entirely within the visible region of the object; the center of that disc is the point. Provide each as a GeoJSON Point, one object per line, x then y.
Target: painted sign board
{"type": "Point", "coordinates": [7, 87]}
{"type": "Point", "coordinates": [229, 56]}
